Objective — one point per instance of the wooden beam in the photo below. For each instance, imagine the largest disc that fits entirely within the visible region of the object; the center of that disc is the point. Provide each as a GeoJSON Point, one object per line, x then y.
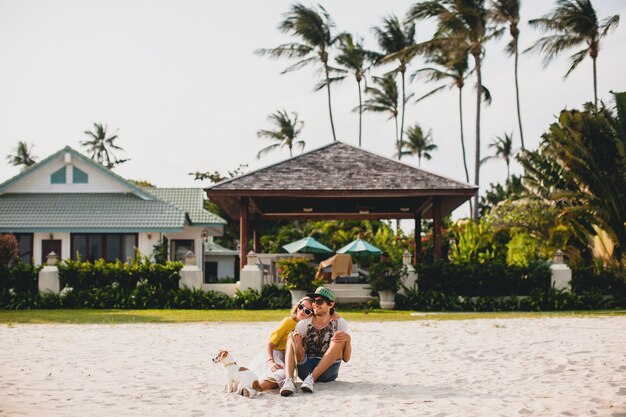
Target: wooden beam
{"type": "Point", "coordinates": [256, 233]}
{"type": "Point", "coordinates": [336, 216]}
{"type": "Point", "coordinates": [437, 227]}
{"type": "Point", "coordinates": [243, 232]}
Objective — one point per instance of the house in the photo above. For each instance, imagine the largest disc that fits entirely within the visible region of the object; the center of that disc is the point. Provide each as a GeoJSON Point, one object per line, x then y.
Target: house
{"type": "Point", "coordinates": [72, 205]}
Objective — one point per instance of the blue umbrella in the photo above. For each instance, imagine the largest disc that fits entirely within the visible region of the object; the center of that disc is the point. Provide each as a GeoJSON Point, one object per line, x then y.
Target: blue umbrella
{"type": "Point", "coordinates": [309, 245]}
{"type": "Point", "coordinates": [359, 246]}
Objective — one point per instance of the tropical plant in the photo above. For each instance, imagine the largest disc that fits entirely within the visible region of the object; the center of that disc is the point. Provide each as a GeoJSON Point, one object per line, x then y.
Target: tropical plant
{"type": "Point", "coordinates": [386, 275]}
{"type": "Point", "coordinates": [23, 155]}
{"type": "Point", "coordinates": [297, 274]}
{"type": "Point", "coordinates": [101, 147]}
{"type": "Point", "coordinates": [472, 242]}
{"type": "Point", "coordinates": [395, 40]}
{"type": "Point", "coordinates": [461, 22]}
{"type": "Point", "coordinates": [384, 99]}
{"type": "Point", "coordinates": [503, 149]}
{"type": "Point", "coordinates": [571, 24]}
{"type": "Point", "coordinates": [314, 29]}
{"type": "Point", "coordinates": [418, 143]}
{"type": "Point", "coordinates": [9, 250]}
{"type": "Point", "coordinates": [286, 132]}
{"type": "Point", "coordinates": [353, 58]}
{"type": "Point", "coordinates": [506, 12]}
{"type": "Point", "coordinates": [581, 167]}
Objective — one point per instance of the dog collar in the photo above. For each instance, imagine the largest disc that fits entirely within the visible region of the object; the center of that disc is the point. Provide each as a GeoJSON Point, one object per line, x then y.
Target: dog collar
{"type": "Point", "coordinates": [229, 364]}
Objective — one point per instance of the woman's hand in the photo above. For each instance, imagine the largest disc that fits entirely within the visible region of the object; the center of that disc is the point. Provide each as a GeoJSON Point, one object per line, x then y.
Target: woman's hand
{"type": "Point", "coordinates": [274, 366]}
{"type": "Point", "coordinates": [341, 336]}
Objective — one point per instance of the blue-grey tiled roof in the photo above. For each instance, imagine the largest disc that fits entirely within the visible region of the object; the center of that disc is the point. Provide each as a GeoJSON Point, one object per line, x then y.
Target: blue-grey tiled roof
{"type": "Point", "coordinates": [191, 200]}
{"type": "Point", "coordinates": [112, 212]}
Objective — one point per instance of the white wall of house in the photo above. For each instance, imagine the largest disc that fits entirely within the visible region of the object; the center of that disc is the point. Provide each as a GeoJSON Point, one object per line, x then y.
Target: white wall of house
{"type": "Point", "coordinates": [225, 264]}
{"type": "Point", "coordinates": [39, 181]}
{"type": "Point", "coordinates": [62, 236]}
{"type": "Point", "coordinates": [190, 233]}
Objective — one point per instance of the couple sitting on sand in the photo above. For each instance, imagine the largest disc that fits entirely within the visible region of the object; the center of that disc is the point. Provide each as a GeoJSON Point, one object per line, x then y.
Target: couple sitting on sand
{"type": "Point", "coordinates": [318, 345]}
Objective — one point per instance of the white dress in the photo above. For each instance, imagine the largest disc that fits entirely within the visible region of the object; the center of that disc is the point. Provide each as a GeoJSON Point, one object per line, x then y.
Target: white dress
{"type": "Point", "coordinates": [260, 366]}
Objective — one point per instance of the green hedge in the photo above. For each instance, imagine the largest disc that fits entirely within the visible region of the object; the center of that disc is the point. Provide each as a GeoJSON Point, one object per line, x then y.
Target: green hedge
{"type": "Point", "coordinates": [485, 280]}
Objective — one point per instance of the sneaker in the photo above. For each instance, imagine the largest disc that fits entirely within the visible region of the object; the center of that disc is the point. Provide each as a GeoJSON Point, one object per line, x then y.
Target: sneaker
{"type": "Point", "coordinates": [307, 384]}
{"type": "Point", "coordinates": [288, 388]}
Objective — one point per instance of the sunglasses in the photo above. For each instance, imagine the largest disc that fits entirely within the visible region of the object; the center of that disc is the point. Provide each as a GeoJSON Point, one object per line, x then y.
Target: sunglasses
{"type": "Point", "coordinates": [306, 310]}
{"type": "Point", "coordinates": [318, 301]}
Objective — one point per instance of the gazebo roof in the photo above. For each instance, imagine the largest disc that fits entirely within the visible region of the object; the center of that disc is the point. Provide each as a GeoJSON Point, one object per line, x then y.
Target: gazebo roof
{"type": "Point", "coordinates": [340, 181]}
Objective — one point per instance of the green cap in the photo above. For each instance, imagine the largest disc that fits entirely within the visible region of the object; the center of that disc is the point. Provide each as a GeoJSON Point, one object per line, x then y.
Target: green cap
{"type": "Point", "coordinates": [324, 292]}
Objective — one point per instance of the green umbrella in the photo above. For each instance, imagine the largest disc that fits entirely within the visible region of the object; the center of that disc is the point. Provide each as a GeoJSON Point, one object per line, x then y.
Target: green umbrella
{"type": "Point", "coordinates": [360, 246]}
{"type": "Point", "coordinates": [309, 245]}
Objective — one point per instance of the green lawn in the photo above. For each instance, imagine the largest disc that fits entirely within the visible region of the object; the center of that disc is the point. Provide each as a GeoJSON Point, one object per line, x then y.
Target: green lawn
{"type": "Point", "coordinates": [189, 316]}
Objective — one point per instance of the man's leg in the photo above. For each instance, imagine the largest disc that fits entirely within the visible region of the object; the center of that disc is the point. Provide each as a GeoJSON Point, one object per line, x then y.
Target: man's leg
{"type": "Point", "coordinates": [332, 355]}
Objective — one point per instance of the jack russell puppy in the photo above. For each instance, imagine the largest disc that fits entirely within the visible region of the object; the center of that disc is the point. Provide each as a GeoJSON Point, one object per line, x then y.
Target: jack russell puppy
{"type": "Point", "coordinates": [240, 380]}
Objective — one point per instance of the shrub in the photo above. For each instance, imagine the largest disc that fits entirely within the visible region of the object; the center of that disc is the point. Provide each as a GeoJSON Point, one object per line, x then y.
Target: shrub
{"type": "Point", "coordinates": [271, 297]}
{"type": "Point", "coordinates": [9, 250]}
{"type": "Point", "coordinates": [386, 275]}
{"type": "Point", "coordinates": [297, 273]}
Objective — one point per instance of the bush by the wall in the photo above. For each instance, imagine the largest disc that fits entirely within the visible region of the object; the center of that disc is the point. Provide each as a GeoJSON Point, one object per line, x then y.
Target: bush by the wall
{"type": "Point", "coordinates": [487, 279]}
{"type": "Point", "coordinates": [271, 297]}
{"type": "Point", "coordinates": [20, 277]}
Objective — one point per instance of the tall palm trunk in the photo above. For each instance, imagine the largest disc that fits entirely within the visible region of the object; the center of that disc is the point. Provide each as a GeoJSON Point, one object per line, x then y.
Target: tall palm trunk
{"type": "Point", "coordinates": [463, 140]}
{"type": "Point", "coordinates": [519, 113]}
{"type": "Point", "coordinates": [479, 92]}
{"type": "Point", "coordinates": [595, 84]}
{"type": "Point", "coordinates": [395, 118]}
{"type": "Point", "coordinates": [402, 120]}
{"type": "Point", "coordinates": [330, 109]}
{"type": "Point", "coordinates": [360, 110]}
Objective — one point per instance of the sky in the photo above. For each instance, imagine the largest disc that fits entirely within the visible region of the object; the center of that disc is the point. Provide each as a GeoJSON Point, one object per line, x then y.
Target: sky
{"type": "Point", "coordinates": [180, 84]}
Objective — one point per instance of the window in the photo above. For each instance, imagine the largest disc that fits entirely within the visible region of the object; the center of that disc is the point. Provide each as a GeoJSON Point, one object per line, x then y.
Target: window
{"type": "Point", "coordinates": [210, 272]}
{"type": "Point", "coordinates": [79, 176]}
{"type": "Point", "coordinates": [58, 177]}
{"type": "Point", "coordinates": [108, 246]}
{"type": "Point", "coordinates": [180, 247]}
{"type": "Point", "coordinates": [25, 246]}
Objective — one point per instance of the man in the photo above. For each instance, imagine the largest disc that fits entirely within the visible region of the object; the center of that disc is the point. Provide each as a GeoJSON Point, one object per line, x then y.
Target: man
{"type": "Point", "coordinates": [319, 344]}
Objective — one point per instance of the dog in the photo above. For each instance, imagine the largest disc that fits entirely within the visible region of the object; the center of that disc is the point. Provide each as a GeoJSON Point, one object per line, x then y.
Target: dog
{"type": "Point", "coordinates": [240, 380]}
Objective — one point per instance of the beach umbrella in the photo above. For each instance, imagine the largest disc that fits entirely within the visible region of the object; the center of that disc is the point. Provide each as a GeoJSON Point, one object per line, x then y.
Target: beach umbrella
{"type": "Point", "coordinates": [308, 245]}
{"type": "Point", "coordinates": [360, 246]}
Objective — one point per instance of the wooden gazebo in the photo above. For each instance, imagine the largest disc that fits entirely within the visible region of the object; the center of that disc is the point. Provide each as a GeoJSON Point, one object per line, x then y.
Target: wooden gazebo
{"type": "Point", "coordinates": [334, 182]}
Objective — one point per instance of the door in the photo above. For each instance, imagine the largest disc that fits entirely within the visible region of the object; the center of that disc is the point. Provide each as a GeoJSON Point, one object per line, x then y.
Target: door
{"type": "Point", "coordinates": [50, 245]}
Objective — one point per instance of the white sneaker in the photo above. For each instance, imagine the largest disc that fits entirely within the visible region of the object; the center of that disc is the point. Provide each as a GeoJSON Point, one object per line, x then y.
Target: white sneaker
{"type": "Point", "coordinates": [288, 388]}
{"type": "Point", "coordinates": [307, 384]}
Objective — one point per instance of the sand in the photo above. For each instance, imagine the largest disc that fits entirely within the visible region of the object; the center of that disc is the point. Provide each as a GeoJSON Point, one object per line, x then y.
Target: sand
{"type": "Point", "coordinates": [484, 367]}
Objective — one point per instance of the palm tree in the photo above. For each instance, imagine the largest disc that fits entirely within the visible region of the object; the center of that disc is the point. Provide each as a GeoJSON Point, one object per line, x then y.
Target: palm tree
{"type": "Point", "coordinates": [314, 29]}
{"type": "Point", "coordinates": [396, 41]}
{"type": "Point", "coordinates": [506, 12]}
{"type": "Point", "coordinates": [384, 99]}
{"type": "Point", "coordinates": [353, 58]}
{"type": "Point", "coordinates": [580, 166]}
{"type": "Point", "coordinates": [571, 24]}
{"type": "Point", "coordinates": [101, 147]}
{"type": "Point", "coordinates": [450, 63]}
{"type": "Point", "coordinates": [287, 130]}
{"type": "Point", "coordinates": [418, 144]}
{"type": "Point", "coordinates": [23, 155]}
{"type": "Point", "coordinates": [460, 22]}
{"type": "Point", "coordinates": [503, 146]}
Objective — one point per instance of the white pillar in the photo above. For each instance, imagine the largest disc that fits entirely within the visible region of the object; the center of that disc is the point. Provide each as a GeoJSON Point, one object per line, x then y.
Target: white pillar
{"type": "Point", "coordinates": [561, 273]}
{"type": "Point", "coordinates": [190, 275]}
{"type": "Point", "coordinates": [251, 276]}
{"type": "Point", "coordinates": [49, 276]}
{"type": "Point", "coordinates": [410, 279]}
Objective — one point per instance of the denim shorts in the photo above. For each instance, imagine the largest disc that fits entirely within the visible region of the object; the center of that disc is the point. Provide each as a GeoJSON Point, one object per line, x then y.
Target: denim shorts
{"type": "Point", "coordinates": [307, 366]}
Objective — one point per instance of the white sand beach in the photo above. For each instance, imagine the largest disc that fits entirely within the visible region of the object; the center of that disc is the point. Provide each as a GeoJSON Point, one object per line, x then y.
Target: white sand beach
{"type": "Point", "coordinates": [484, 367]}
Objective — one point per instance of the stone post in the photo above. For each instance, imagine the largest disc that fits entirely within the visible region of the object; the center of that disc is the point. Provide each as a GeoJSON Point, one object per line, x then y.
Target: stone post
{"type": "Point", "coordinates": [190, 275]}
{"type": "Point", "coordinates": [561, 273]}
{"type": "Point", "coordinates": [251, 276]}
{"type": "Point", "coordinates": [410, 279]}
{"type": "Point", "coordinates": [49, 275]}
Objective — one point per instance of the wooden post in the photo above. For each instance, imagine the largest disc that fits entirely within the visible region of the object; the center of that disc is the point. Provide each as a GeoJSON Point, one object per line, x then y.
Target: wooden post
{"type": "Point", "coordinates": [417, 251]}
{"type": "Point", "coordinates": [256, 234]}
{"type": "Point", "coordinates": [243, 232]}
{"type": "Point", "coordinates": [437, 227]}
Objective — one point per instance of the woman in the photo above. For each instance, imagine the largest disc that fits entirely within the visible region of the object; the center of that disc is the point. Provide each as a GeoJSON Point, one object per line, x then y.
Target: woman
{"type": "Point", "coordinates": [269, 365]}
